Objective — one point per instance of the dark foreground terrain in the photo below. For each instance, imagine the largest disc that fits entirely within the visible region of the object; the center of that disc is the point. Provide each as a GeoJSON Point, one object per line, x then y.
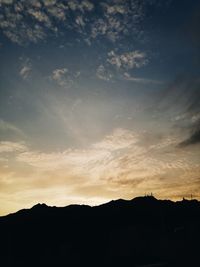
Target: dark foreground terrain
{"type": "Point", "coordinates": [140, 232]}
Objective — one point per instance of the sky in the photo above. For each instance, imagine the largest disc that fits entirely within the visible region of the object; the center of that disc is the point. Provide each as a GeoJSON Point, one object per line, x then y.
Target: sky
{"type": "Point", "coordinates": [99, 100]}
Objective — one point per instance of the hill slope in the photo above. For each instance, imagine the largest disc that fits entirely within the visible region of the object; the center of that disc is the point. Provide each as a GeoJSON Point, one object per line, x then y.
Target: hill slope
{"type": "Point", "coordinates": [139, 232]}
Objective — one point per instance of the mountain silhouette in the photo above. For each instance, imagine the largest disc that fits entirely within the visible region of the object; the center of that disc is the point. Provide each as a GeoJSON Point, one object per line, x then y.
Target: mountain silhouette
{"type": "Point", "coordinates": [142, 232]}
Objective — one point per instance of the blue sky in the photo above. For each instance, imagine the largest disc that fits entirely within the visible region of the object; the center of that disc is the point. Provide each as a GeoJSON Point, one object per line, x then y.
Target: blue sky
{"type": "Point", "coordinates": [98, 100]}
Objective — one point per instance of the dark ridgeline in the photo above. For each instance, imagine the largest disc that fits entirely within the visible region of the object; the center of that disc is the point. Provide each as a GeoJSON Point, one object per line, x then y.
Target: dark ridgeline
{"type": "Point", "coordinates": [140, 232]}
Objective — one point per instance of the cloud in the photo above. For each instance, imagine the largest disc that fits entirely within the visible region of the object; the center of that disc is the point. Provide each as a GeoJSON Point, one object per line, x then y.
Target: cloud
{"type": "Point", "coordinates": [82, 6]}
{"type": "Point", "coordinates": [43, 20]}
{"type": "Point", "coordinates": [40, 16]}
{"type": "Point", "coordinates": [8, 2]}
{"type": "Point", "coordinates": [25, 72]}
{"type": "Point", "coordinates": [9, 127]}
{"type": "Point", "coordinates": [64, 77]}
{"type": "Point", "coordinates": [118, 165]}
{"type": "Point", "coordinates": [103, 74]}
{"type": "Point", "coordinates": [192, 140]}
{"type": "Point", "coordinates": [58, 75]}
{"type": "Point", "coordinates": [109, 28]}
{"type": "Point", "coordinates": [7, 146]}
{"type": "Point", "coordinates": [195, 118]}
{"type": "Point", "coordinates": [49, 2]}
{"type": "Point", "coordinates": [76, 160]}
{"type": "Point", "coordinates": [87, 5]}
{"type": "Point", "coordinates": [182, 94]}
{"type": "Point", "coordinates": [92, 161]}
{"type": "Point", "coordinates": [16, 27]}
{"type": "Point", "coordinates": [115, 8]}
{"type": "Point", "coordinates": [26, 69]}
{"type": "Point", "coordinates": [80, 21]}
{"type": "Point", "coordinates": [23, 22]}
{"type": "Point", "coordinates": [119, 157]}
{"type": "Point", "coordinates": [128, 77]}
{"type": "Point", "coordinates": [181, 103]}
{"type": "Point", "coordinates": [58, 12]}
{"type": "Point", "coordinates": [26, 22]}
{"type": "Point", "coordinates": [117, 20]}
{"type": "Point", "coordinates": [119, 139]}
{"type": "Point", "coordinates": [129, 60]}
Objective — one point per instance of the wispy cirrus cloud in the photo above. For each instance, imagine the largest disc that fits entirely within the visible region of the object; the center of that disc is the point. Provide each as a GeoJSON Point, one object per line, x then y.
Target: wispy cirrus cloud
{"type": "Point", "coordinates": [130, 78]}
{"type": "Point", "coordinates": [26, 69]}
{"type": "Point", "coordinates": [9, 147]}
{"type": "Point", "coordinates": [119, 139]}
{"type": "Point", "coordinates": [6, 126]}
{"type": "Point", "coordinates": [93, 161]}
{"type": "Point", "coordinates": [181, 102]}
{"type": "Point", "coordinates": [119, 155]}
{"type": "Point", "coordinates": [193, 139]}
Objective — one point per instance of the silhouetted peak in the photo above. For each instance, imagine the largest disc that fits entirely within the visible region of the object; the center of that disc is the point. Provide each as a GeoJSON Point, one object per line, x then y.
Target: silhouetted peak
{"type": "Point", "coordinates": [144, 203]}
{"type": "Point", "coordinates": [145, 199]}
{"type": "Point", "coordinates": [138, 201]}
{"type": "Point", "coordinates": [40, 206]}
{"type": "Point", "coordinates": [114, 203]}
{"type": "Point", "coordinates": [118, 201]}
